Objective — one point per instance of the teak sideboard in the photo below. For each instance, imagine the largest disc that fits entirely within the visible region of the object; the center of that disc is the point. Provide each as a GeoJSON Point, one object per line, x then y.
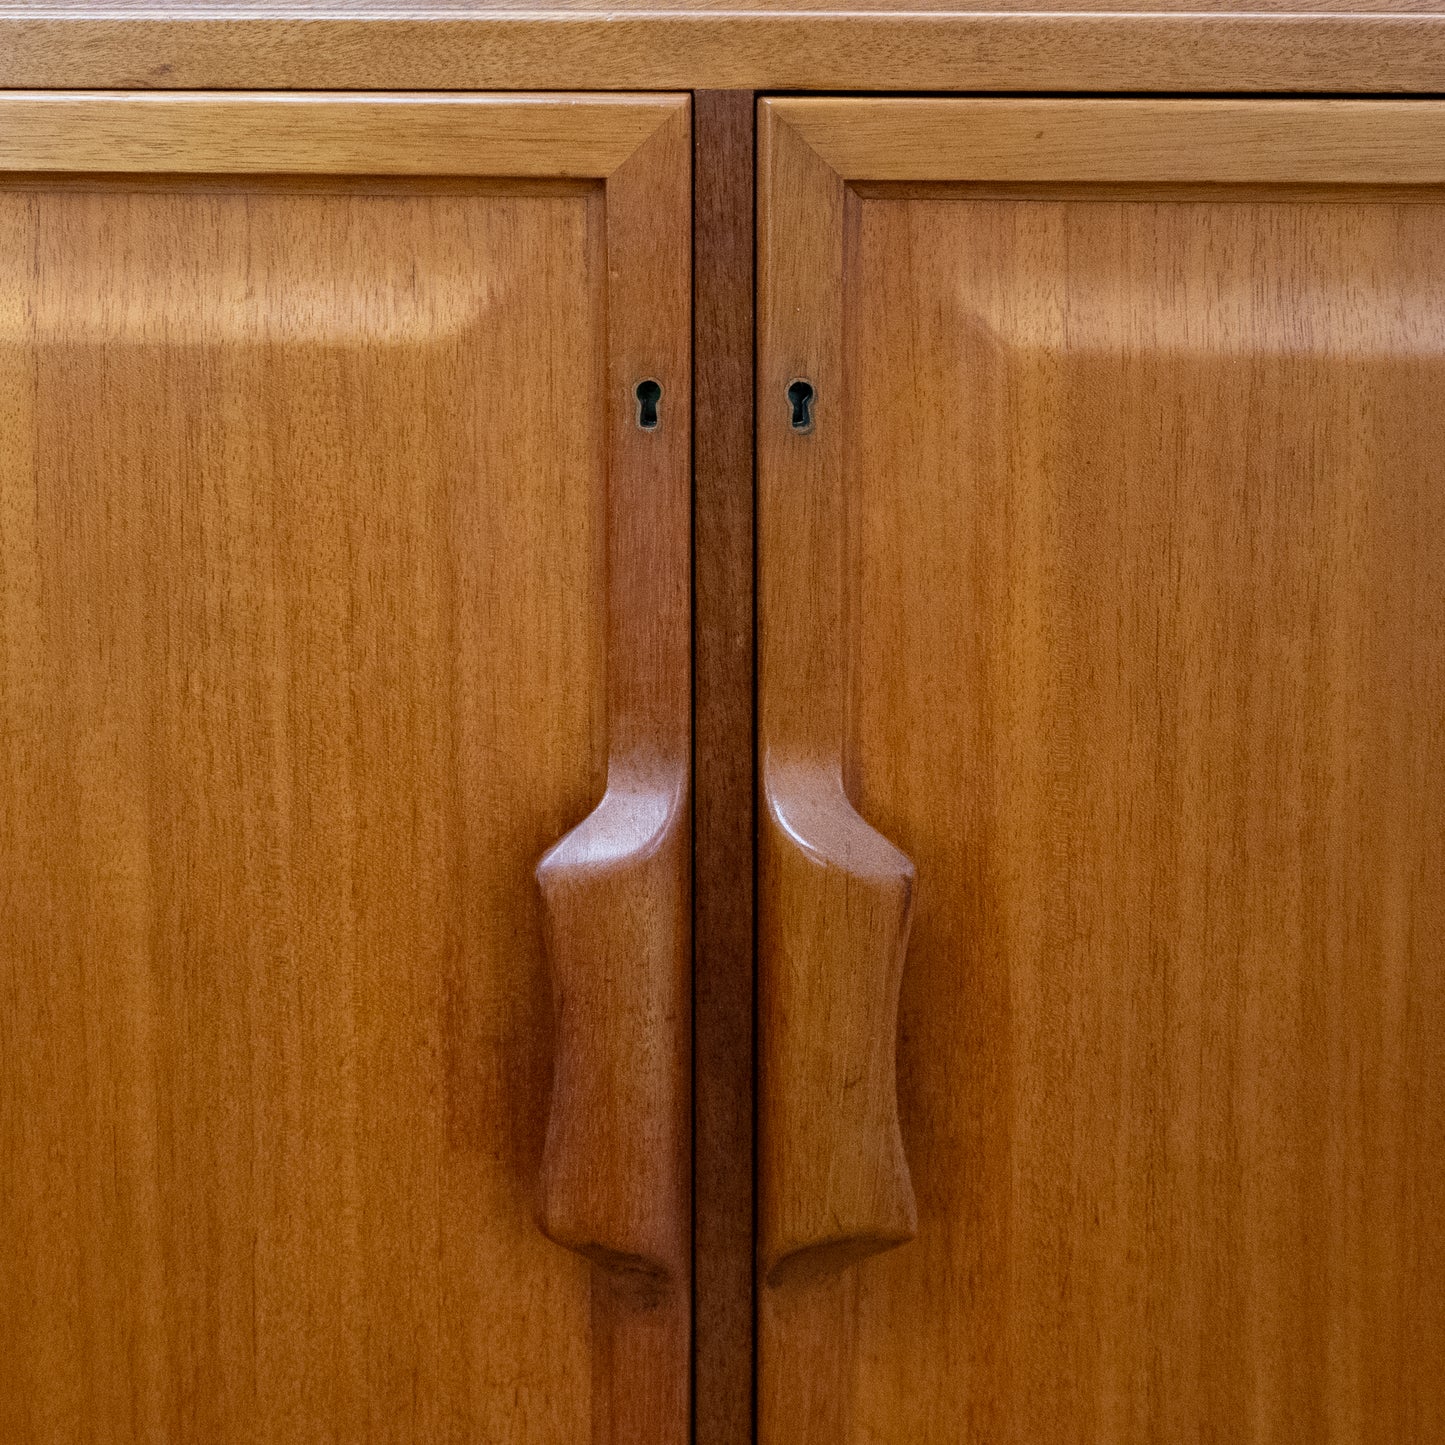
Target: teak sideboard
{"type": "Point", "coordinates": [722, 727]}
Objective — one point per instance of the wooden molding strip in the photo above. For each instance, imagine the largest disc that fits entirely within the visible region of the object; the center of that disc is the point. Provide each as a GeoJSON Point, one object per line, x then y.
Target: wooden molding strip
{"type": "Point", "coordinates": [999, 48]}
{"type": "Point", "coordinates": [723, 776]}
{"type": "Point", "coordinates": [542, 136]}
{"type": "Point", "coordinates": [1388, 142]}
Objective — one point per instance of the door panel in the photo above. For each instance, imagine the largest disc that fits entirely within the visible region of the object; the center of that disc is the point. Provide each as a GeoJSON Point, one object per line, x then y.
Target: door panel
{"type": "Point", "coordinates": [324, 617]}
{"type": "Point", "coordinates": [1117, 554]}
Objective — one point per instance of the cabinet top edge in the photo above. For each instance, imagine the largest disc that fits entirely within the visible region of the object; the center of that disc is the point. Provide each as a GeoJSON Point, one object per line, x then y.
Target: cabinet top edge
{"type": "Point", "coordinates": [1075, 46]}
{"type": "Point", "coordinates": [911, 14]}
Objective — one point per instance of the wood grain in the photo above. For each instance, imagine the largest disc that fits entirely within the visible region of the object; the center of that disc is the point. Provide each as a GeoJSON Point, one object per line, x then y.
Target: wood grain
{"type": "Point", "coordinates": [591, 10]}
{"type": "Point", "coordinates": [1000, 45]}
{"type": "Point", "coordinates": [313, 499]}
{"type": "Point", "coordinates": [1145, 589]}
{"type": "Point", "coordinates": [328, 134]}
{"type": "Point", "coordinates": [723, 768]}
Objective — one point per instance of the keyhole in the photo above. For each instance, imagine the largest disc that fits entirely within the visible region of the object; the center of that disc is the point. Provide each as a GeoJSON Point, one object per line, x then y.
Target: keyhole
{"type": "Point", "coordinates": [648, 394]}
{"type": "Point", "coordinates": [800, 398]}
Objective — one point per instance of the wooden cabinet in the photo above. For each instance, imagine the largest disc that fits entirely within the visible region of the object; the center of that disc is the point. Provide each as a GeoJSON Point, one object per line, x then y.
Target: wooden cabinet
{"type": "Point", "coordinates": [339, 580]}
{"type": "Point", "coordinates": [1104, 577]}
{"type": "Point", "coordinates": [581, 866]}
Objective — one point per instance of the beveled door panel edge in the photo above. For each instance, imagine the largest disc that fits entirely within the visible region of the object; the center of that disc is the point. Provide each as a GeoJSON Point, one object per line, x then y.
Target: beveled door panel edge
{"type": "Point", "coordinates": [1162, 141]}
{"type": "Point", "coordinates": [332, 133]}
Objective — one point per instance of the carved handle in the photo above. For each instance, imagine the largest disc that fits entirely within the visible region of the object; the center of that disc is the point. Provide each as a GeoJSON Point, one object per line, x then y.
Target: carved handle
{"type": "Point", "coordinates": [614, 894]}
{"type": "Point", "coordinates": [838, 898]}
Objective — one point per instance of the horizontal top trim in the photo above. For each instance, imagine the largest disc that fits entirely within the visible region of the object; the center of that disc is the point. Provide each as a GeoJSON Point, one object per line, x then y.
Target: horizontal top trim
{"type": "Point", "coordinates": [589, 11]}
{"type": "Point", "coordinates": [1266, 142]}
{"type": "Point", "coordinates": [1337, 46]}
{"type": "Point", "coordinates": [528, 136]}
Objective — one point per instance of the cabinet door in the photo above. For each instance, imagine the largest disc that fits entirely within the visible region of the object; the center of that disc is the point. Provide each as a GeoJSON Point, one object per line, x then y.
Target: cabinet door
{"type": "Point", "coordinates": [343, 570]}
{"type": "Point", "coordinates": [1102, 600]}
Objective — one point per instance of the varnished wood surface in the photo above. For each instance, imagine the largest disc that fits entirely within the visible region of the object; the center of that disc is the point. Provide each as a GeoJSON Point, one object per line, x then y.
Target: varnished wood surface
{"type": "Point", "coordinates": [317, 497]}
{"type": "Point", "coordinates": [320, 9]}
{"type": "Point", "coordinates": [1389, 46]}
{"type": "Point", "coordinates": [1157, 142]}
{"type": "Point", "coordinates": [723, 768]}
{"type": "Point", "coordinates": [1144, 579]}
{"type": "Point", "coordinates": [328, 134]}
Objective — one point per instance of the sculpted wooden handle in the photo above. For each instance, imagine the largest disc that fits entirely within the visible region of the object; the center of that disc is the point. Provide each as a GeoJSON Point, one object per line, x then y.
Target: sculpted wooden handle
{"type": "Point", "coordinates": [615, 894]}
{"type": "Point", "coordinates": [838, 901]}
{"type": "Point", "coordinates": [834, 895]}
